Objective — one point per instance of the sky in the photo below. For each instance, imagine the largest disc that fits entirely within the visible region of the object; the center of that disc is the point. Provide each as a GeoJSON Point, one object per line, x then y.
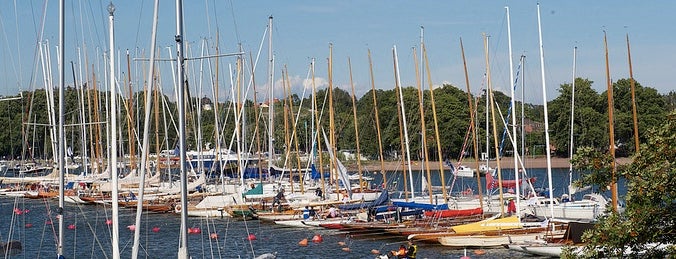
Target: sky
{"type": "Point", "coordinates": [303, 30]}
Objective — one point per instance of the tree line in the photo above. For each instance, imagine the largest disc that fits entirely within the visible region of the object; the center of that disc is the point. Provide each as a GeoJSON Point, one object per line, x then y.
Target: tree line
{"type": "Point", "coordinates": [27, 133]}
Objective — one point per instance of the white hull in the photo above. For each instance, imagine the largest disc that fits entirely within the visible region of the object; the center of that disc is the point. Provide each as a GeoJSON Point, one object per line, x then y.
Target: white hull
{"type": "Point", "coordinates": [487, 241]}
{"type": "Point", "coordinates": [553, 250]}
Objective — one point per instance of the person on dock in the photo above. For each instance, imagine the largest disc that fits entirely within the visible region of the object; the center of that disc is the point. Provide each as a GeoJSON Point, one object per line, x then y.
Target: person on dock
{"type": "Point", "coordinates": [511, 207]}
{"type": "Point", "coordinates": [278, 199]}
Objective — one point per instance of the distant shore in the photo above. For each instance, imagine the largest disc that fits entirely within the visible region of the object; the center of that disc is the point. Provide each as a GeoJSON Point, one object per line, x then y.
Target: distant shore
{"type": "Point", "coordinates": [505, 162]}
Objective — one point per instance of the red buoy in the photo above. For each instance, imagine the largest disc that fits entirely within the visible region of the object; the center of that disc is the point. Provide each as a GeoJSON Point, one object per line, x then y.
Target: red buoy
{"type": "Point", "coordinates": [29, 225]}
{"type": "Point", "coordinates": [317, 238]}
{"type": "Point", "coordinates": [251, 237]}
{"type": "Point", "coordinates": [156, 229]}
{"type": "Point", "coordinates": [71, 226]}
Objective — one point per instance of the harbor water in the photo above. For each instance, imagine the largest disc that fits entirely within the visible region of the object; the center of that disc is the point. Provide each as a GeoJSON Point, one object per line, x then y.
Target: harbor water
{"type": "Point", "coordinates": [87, 234]}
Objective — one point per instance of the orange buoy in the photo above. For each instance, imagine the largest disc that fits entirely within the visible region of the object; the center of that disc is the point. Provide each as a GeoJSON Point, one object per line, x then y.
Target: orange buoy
{"type": "Point", "coordinates": [251, 237]}
{"type": "Point", "coordinates": [303, 242]}
{"type": "Point", "coordinates": [71, 226]}
{"type": "Point", "coordinates": [317, 238]}
{"type": "Point", "coordinates": [213, 235]}
{"type": "Point", "coordinates": [156, 229]}
{"type": "Point", "coordinates": [29, 225]}
{"type": "Point", "coordinates": [479, 252]}
{"type": "Point", "coordinates": [341, 243]}
{"type": "Point", "coordinates": [346, 249]}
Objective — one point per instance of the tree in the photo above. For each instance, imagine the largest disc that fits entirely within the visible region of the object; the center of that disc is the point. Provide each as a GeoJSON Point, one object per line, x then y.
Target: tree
{"type": "Point", "coordinates": [648, 218]}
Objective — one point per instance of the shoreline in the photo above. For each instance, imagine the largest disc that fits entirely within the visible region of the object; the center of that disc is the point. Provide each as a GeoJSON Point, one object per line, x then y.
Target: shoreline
{"type": "Point", "coordinates": [505, 162]}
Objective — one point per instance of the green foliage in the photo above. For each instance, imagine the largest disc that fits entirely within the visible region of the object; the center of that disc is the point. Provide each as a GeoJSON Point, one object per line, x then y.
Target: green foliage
{"type": "Point", "coordinates": [452, 110]}
{"type": "Point", "coordinates": [648, 218]}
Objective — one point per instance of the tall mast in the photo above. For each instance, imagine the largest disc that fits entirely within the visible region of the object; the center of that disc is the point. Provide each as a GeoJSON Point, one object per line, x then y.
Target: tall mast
{"type": "Point", "coordinates": [572, 124]}
{"type": "Point", "coordinates": [113, 131]}
{"type": "Point", "coordinates": [375, 110]}
{"type": "Point", "coordinates": [544, 100]}
{"type": "Point", "coordinates": [611, 128]}
{"type": "Point", "coordinates": [130, 118]}
{"type": "Point", "coordinates": [271, 102]}
{"type": "Point", "coordinates": [512, 104]}
{"type": "Point", "coordinates": [633, 97]}
{"type": "Point", "coordinates": [61, 160]}
{"type": "Point", "coordinates": [489, 93]}
{"type": "Point", "coordinates": [403, 118]}
{"type": "Point", "coordinates": [146, 130]}
{"type": "Point", "coordinates": [356, 129]}
{"type": "Point", "coordinates": [181, 84]}
{"type": "Point", "coordinates": [423, 130]}
{"type": "Point", "coordinates": [472, 125]}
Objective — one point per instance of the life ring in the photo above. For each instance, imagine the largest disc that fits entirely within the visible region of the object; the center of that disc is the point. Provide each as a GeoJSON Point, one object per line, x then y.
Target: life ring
{"type": "Point", "coordinates": [178, 208]}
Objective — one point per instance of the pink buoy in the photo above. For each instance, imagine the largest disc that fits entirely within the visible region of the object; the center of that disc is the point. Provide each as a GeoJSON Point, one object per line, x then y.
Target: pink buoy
{"type": "Point", "coordinates": [317, 238]}
{"type": "Point", "coordinates": [251, 237]}
{"type": "Point", "coordinates": [18, 211]}
{"type": "Point", "coordinates": [71, 226]}
{"type": "Point", "coordinates": [109, 222]}
{"type": "Point", "coordinates": [131, 227]}
{"type": "Point", "coordinates": [29, 225]}
{"type": "Point", "coordinates": [48, 222]}
{"type": "Point", "coordinates": [213, 235]}
{"type": "Point", "coordinates": [194, 230]}
{"type": "Point", "coordinates": [156, 229]}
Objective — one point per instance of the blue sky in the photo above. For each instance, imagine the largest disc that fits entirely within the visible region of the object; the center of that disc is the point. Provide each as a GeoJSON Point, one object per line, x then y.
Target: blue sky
{"type": "Point", "coordinates": [302, 30]}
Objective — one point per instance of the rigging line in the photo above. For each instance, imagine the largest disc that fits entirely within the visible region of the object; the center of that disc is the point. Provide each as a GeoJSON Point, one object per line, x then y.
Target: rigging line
{"type": "Point", "coordinates": [234, 21]}
{"type": "Point", "coordinates": [18, 45]}
{"type": "Point", "coordinates": [4, 33]}
{"type": "Point", "coordinates": [138, 24]}
{"type": "Point", "coordinates": [509, 111]}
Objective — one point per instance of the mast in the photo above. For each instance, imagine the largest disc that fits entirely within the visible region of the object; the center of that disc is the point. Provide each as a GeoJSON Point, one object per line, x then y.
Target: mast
{"type": "Point", "coordinates": [181, 84]}
{"type": "Point", "coordinates": [130, 118]}
{"type": "Point", "coordinates": [61, 160]}
{"type": "Point", "coordinates": [633, 97]}
{"type": "Point", "coordinates": [113, 132]}
{"type": "Point", "coordinates": [472, 125]}
{"type": "Point", "coordinates": [571, 189]}
{"type": "Point", "coordinates": [317, 128]}
{"type": "Point", "coordinates": [403, 117]}
{"type": "Point", "coordinates": [146, 130]}
{"type": "Point", "coordinates": [611, 128]}
{"type": "Point", "coordinates": [489, 93]}
{"type": "Point", "coordinates": [513, 107]}
{"type": "Point", "coordinates": [332, 136]}
{"type": "Point", "coordinates": [423, 130]}
{"type": "Point", "coordinates": [271, 102]}
{"type": "Point", "coordinates": [356, 129]}
{"type": "Point", "coordinates": [544, 100]}
{"type": "Point", "coordinates": [375, 110]}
